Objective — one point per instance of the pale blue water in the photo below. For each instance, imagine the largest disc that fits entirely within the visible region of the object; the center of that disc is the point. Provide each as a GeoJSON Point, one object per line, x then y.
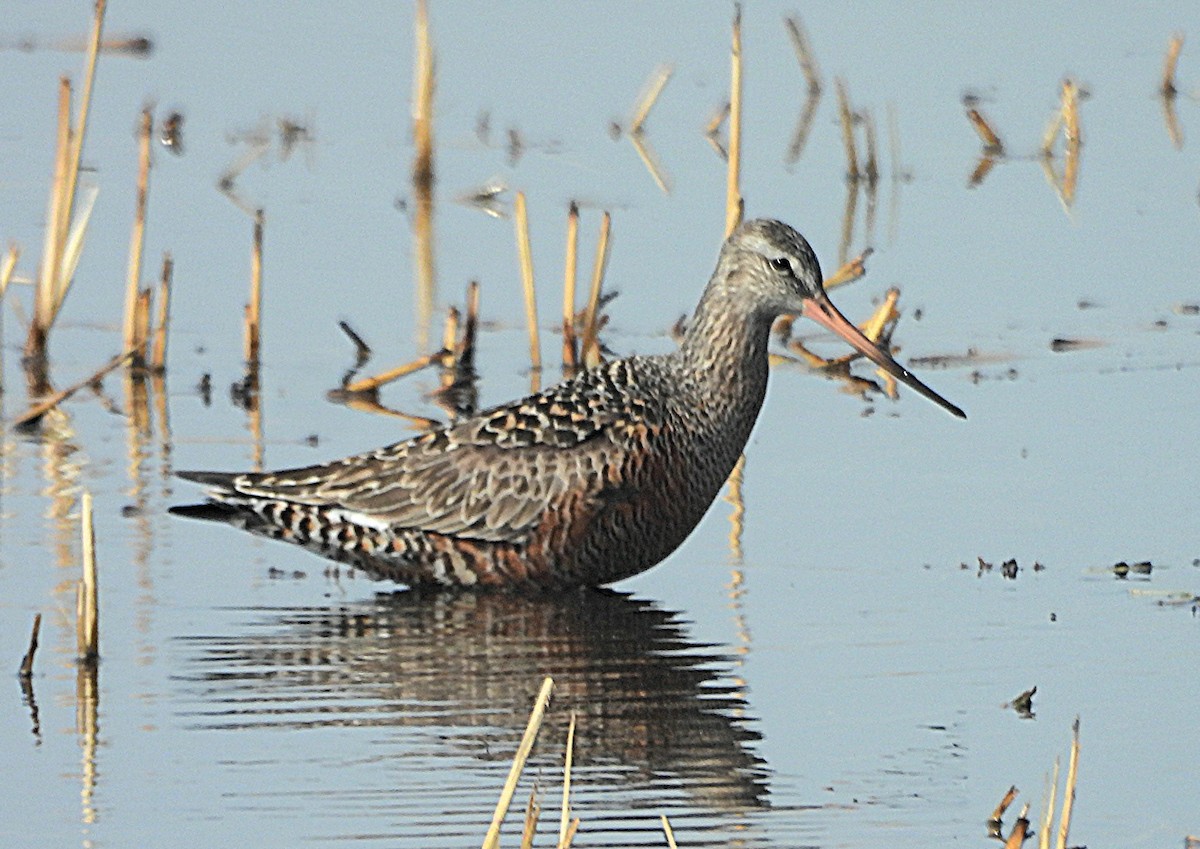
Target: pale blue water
{"type": "Point", "coordinates": [849, 688]}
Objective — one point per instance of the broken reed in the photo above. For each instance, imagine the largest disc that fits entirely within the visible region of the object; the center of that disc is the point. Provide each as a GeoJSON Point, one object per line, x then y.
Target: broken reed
{"type": "Point", "coordinates": [36, 411]}
{"type": "Point", "coordinates": [87, 609]}
{"type": "Point", "coordinates": [1174, 46]}
{"type": "Point", "coordinates": [137, 240]}
{"type": "Point", "coordinates": [158, 358]}
{"type": "Point", "coordinates": [254, 305]}
{"type": "Point", "coordinates": [668, 832]}
{"type": "Point", "coordinates": [58, 264]}
{"type": "Point", "coordinates": [987, 134]}
{"type": "Point", "coordinates": [566, 828]}
{"type": "Point", "coordinates": [464, 354]}
{"type": "Point", "coordinates": [571, 268]}
{"type": "Point", "coordinates": [26, 668]}
{"type": "Point", "coordinates": [847, 120]}
{"type": "Point", "coordinates": [8, 267]}
{"type": "Point", "coordinates": [590, 350]}
{"type": "Point", "coordinates": [423, 171]}
{"type": "Point", "coordinates": [658, 81]}
{"type": "Point", "coordinates": [804, 53]}
{"type": "Point", "coordinates": [492, 839]}
{"type": "Point", "coordinates": [734, 204]}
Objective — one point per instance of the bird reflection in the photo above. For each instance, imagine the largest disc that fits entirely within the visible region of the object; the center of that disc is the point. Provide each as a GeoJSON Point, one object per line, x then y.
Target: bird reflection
{"type": "Point", "coordinates": [657, 712]}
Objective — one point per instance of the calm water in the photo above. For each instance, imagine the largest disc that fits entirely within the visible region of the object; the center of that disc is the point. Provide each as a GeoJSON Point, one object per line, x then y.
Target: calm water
{"type": "Point", "coordinates": [834, 675]}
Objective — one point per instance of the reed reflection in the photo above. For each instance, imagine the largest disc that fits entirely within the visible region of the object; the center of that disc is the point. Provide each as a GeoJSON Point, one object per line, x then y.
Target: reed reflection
{"type": "Point", "coordinates": [657, 711]}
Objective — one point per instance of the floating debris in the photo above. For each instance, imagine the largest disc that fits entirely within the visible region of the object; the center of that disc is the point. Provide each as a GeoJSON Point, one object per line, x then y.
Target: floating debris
{"type": "Point", "coordinates": [996, 820]}
{"type": "Point", "coordinates": [486, 198]}
{"type": "Point", "coordinates": [1123, 569]}
{"type": "Point", "coordinates": [1167, 88]}
{"type": "Point", "coordinates": [170, 134]}
{"type": "Point", "coordinates": [1023, 704]}
{"type": "Point", "coordinates": [992, 145]}
{"type": "Point", "coordinates": [1062, 345]}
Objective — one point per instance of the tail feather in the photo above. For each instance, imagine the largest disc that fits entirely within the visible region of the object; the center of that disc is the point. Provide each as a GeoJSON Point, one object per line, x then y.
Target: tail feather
{"type": "Point", "coordinates": [220, 481]}
{"type": "Point", "coordinates": [211, 511]}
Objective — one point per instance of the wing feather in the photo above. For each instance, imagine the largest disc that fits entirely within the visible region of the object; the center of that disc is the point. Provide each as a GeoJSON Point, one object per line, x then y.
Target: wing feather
{"type": "Point", "coordinates": [488, 478]}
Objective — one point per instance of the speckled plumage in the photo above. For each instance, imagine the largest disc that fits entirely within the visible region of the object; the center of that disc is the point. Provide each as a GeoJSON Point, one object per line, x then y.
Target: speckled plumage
{"type": "Point", "coordinates": [591, 481]}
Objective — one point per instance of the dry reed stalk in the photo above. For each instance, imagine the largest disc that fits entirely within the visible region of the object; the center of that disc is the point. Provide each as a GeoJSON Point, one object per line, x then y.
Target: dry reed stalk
{"type": "Point", "coordinates": [370, 384]}
{"type": "Point", "coordinates": [847, 119]}
{"type": "Point", "coordinates": [712, 130]}
{"type": "Point", "coordinates": [803, 127]}
{"type": "Point", "coordinates": [8, 267]}
{"type": "Point", "coordinates": [1074, 140]}
{"type": "Point", "coordinates": [650, 159]}
{"type": "Point", "coordinates": [1048, 811]}
{"type": "Point", "coordinates": [158, 360]}
{"type": "Point", "coordinates": [872, 167]}
{"type": "Point", "coordinates": [715, 120]}
{"type": "Point", "coordinates": [654, 86]}
{"type": "Point", "coordinates": [571, 830]}
{"type": "Point", "coordinates": [423, 172]}
{"type": "Point", "coordinates": [1017, 836]}
{"type": "Point", "coordinates": [533, 811]}
{"type": "Point", "coordinates": [850, 270]}
{"type": "Point", "coordinates": [26, 670]}
{"type": "Point", "coordinates": [666, 824]}
{"type": "Point", "coordinates": [52, 249]}
{"type": "Point", "coordinates": [450, 331]}
{"type": "Point", "coordinates": [570, 273]}
{"type": "Point", "coordinates": [422, 111]}
{"type": "Point", "coordinates": [526, 252]}
{"type": "Point", "coordinates": [1051, 133]}
{"type": "Point", "coordinates": [1064, 821]}
{"type": "Point", "coordinates": [590, 349]}
{"type": "Point", "coordinates": [991, 141]}
{"type": "Point", "coordinates": [1172, 121]}
{"type": "Point", "coordinates": [737, 515]}
{"type": "Point", "coordinates": [1174, 46]}
{"type": "Point", "coordinates": [564, 823]}
{"type": "Point", "coordinates": [40, 409]}
{"type": "Point", "coordinates": [365, 404]}
{"type": "Point", "coordinates": [492, 839]}
{"type": "Point", "coordinates": [734, 205]}
{"type": "Point", "coordinates": [81, 122]}
{"type": "Point", "coordinates": [465, 354]}
{"type": "Point", "coordinates": [73, 247]}
{"type": "Point", "coordinates": [143, 325]}
{"type": "Point", "coordinates": [138, 237]}
{"type": "Point", "coordinates": [998, 814]}
{"type": "Point", "coordinates": [804, 53]}
{"type": "Point", "coordinates": [87, 610]}
{"type": "Point", "coordinates": [982, 169]}
{"type": "Point", "coordinates": [872, 328]}
{"type": "Point", "coordinates": [254, 306]}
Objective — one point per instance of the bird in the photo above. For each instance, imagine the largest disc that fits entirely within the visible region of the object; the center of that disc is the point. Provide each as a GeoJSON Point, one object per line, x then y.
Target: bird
{"type": "Point", "coordinates": [585, 483]}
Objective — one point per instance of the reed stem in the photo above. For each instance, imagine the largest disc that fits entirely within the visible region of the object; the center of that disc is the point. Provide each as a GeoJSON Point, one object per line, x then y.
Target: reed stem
{"type": "Point", "coordinates": [88, 608]}
{"type": "Point", "coordinates": [733, 194]}
{"type": "Point", "coordinates": [590, 350]}
{"type": "Point", "coordinates": [570, 274]}
{"type": "Point", "coordinates": [254, 307]}
{"type": "Point", "coordinates": [138, 237]}
{"type": "Point", "coordinates": [492, 839]}
{"type": "Point", "coordinates": [526, 253]}
{"type": "Point", "coordinates": [158, 360]}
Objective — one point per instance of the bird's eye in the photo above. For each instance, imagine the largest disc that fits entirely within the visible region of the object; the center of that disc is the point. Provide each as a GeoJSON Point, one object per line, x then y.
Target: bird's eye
{"type": "Point", "coordinates": [782, 263]}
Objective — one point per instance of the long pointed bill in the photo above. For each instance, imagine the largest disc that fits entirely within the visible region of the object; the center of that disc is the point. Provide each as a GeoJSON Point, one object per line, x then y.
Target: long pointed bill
{"type": "Point", "coordinates": [821, 310]}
